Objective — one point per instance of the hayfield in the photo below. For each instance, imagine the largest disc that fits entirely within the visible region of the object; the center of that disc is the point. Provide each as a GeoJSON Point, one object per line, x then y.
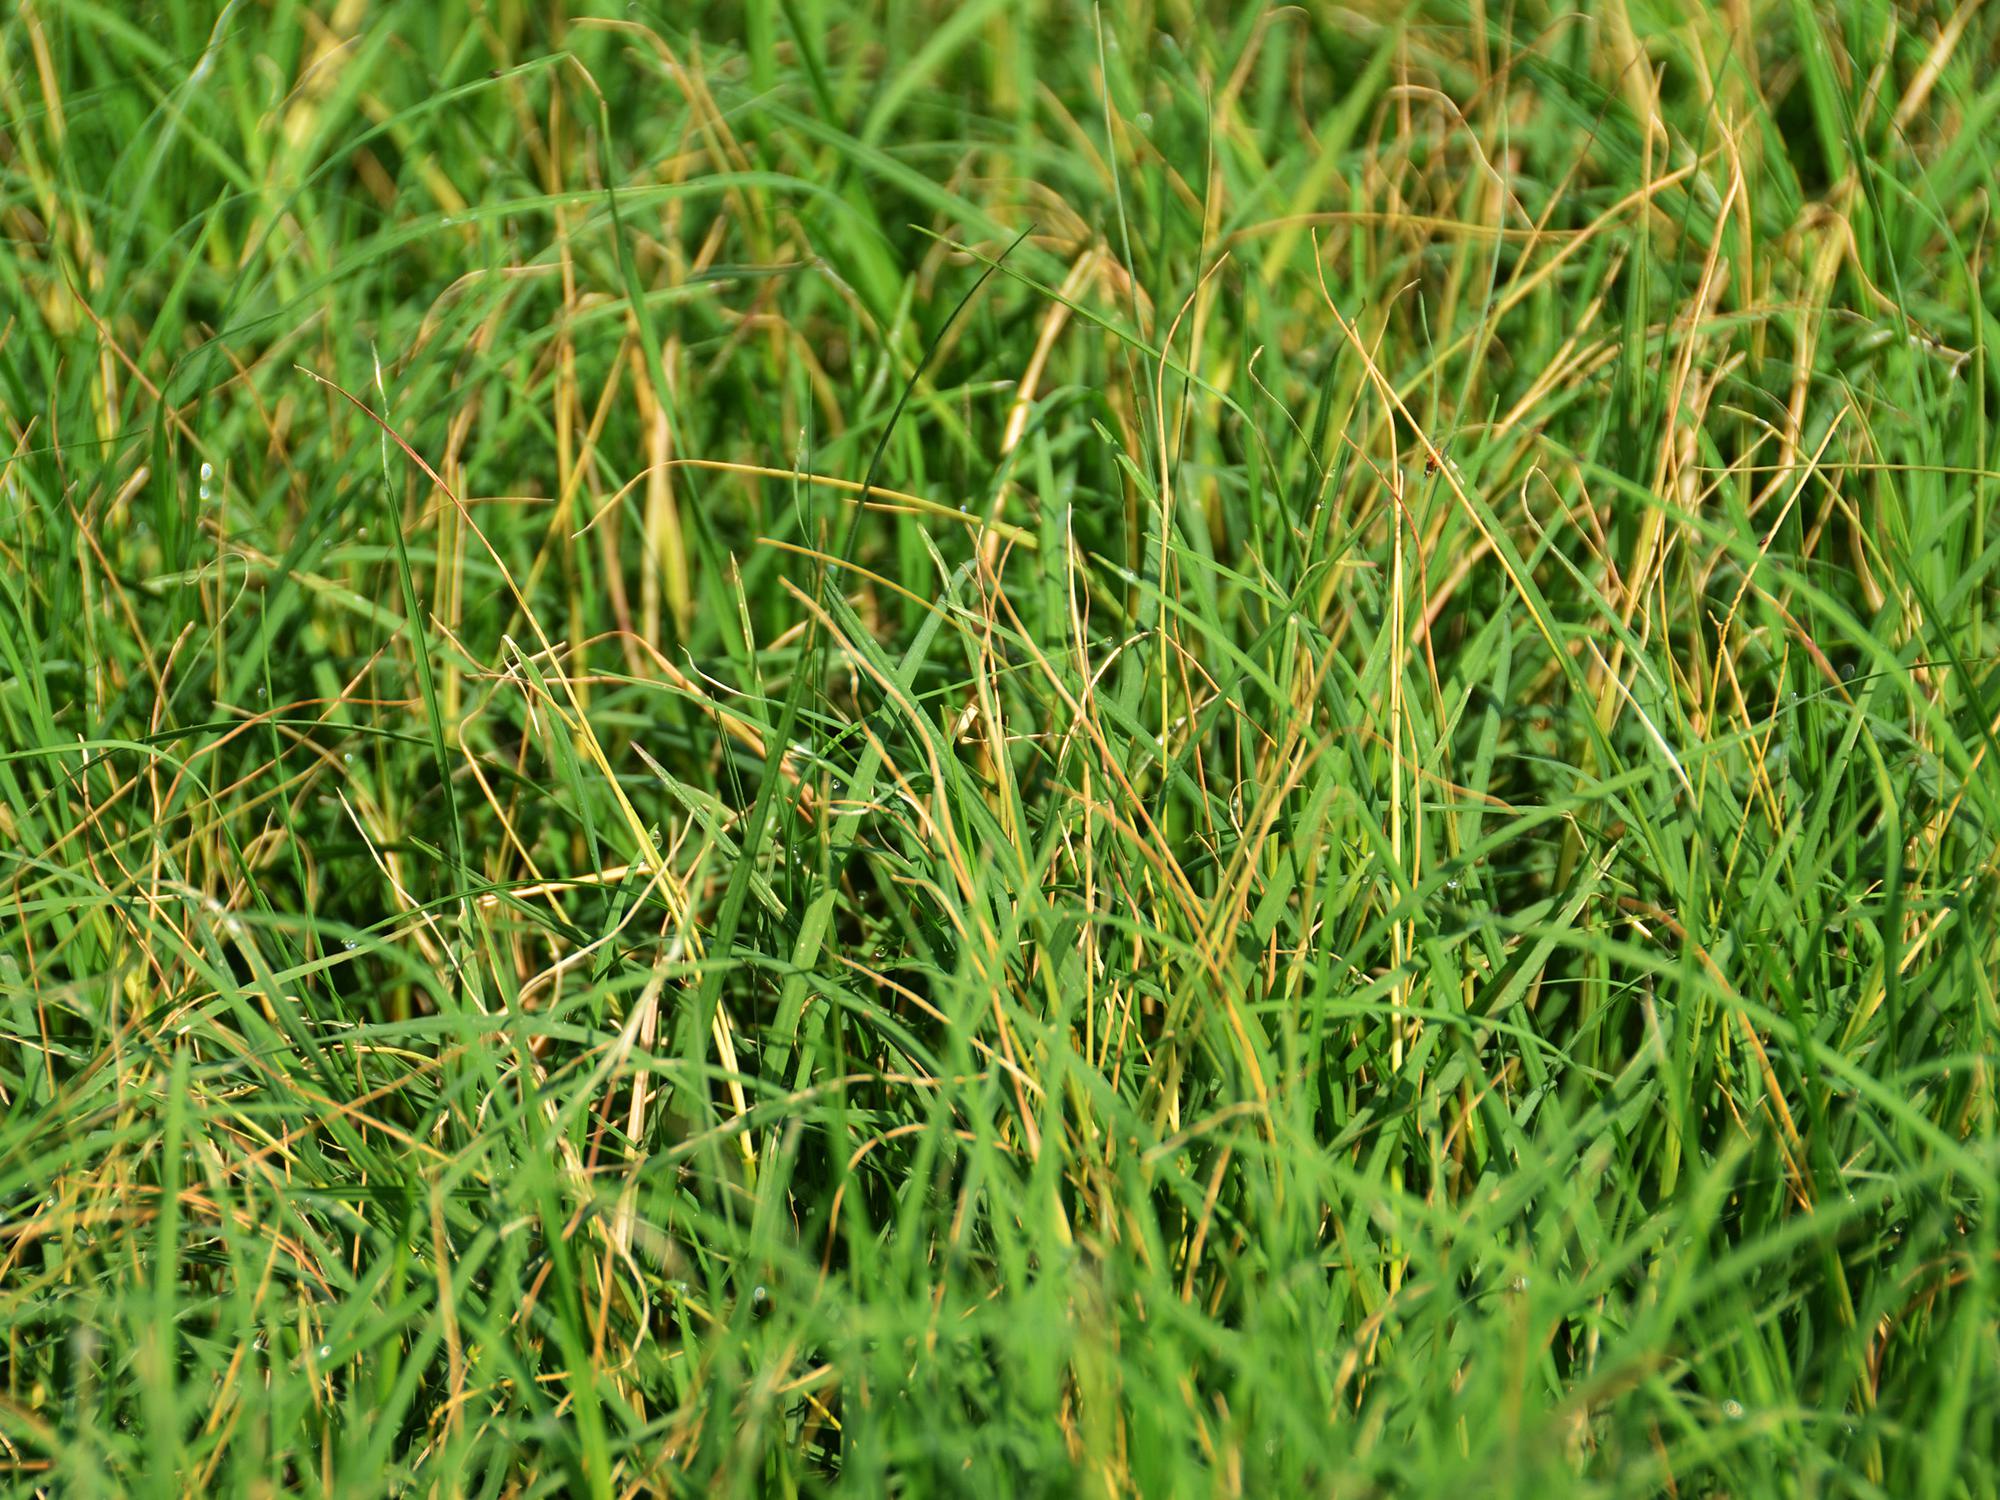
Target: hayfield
{"type": "Point", "coordinates": [999, 748]}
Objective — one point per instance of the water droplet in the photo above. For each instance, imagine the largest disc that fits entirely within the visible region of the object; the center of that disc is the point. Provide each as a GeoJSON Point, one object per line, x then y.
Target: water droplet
{"type": "Point", "coordinates": [1520, 1283]}
{"type": "Point", "coordinates": [347, 757]}
{"type": "Point", "coordinates": [1145, 119]}
{"type": "Point", "coordinates": [350, 945]}
{"type": "Point", "coordinates": [1733, 1409]}
{"type": "Point", "coordinates": [261, 695]}
{"type": "Point", "coordinates": [207, 472]}
{"type": "Point", "coordinates": [1451, 884]}
{"type": "Point", "coordinates": [326, 1351]}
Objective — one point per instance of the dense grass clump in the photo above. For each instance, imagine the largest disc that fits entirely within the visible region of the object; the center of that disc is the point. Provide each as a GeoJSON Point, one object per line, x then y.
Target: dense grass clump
{"type": "Point", "coordinates": [999, 748]}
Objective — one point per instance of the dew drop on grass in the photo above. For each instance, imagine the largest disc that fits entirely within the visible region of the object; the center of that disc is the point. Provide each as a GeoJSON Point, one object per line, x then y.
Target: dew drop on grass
{"type": "Point", "coordinates": [326, 1351]}
{"type": "Point", "coordinates": [1733, 1409]}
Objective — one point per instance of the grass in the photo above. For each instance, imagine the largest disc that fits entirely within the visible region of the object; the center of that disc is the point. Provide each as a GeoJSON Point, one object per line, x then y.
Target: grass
{"type": "Point", "coordinates": [998, 748]}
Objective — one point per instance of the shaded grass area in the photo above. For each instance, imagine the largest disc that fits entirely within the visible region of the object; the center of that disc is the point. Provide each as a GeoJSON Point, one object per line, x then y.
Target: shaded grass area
{"type": "Point", "coordinates": [996, 748]}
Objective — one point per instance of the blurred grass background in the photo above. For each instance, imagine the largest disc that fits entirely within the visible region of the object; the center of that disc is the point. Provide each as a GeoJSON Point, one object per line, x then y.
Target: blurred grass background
{"type": "Point", "coordinates": [998, 748]}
